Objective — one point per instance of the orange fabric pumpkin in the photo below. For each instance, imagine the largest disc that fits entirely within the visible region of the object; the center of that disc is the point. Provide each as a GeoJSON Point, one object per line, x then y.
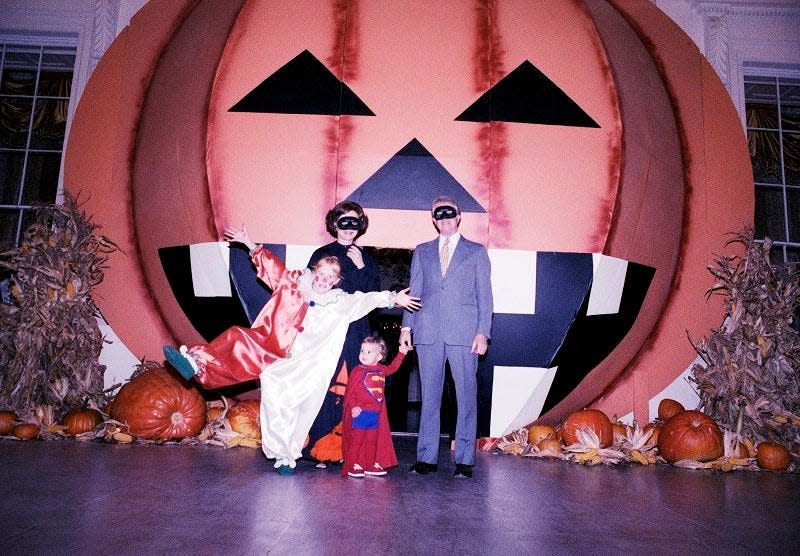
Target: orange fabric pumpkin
{"type": "Point", "coordinates": [7, 420]}
{"type": "Point", "coordinates": [26, 431]}
{"type": "Point", "coordinates": [243, 418]}
{"type": "Point", "coordinates": [593, 419]}
{"type": "Point", "coordinates": [773, 457]}
{"type": "Point", "coordinates": [81, 420]}
{"type": "Point", "coordinates": [667, 408]}
{"type": "Point", "coordinates": [537, 433]}
{"type": "Point", "coordinates": [329, 447]}
{"type": "Point", "coordinates": [691, 435]}
{"type": "Point", "coordinates": [157, 405]}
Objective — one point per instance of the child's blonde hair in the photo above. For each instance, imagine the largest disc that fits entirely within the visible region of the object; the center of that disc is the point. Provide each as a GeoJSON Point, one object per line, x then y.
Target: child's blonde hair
{"type": "Point", "coordinates": [330, 262]}
{"type": "Point", "coordinates": [377, 341]}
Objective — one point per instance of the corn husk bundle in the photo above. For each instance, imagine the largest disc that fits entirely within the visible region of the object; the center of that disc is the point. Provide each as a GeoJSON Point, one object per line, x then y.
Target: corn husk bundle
{"type": "Point", "coordinates": [748, 381]}
{"type": "Point", "coordinates": [51, 340]}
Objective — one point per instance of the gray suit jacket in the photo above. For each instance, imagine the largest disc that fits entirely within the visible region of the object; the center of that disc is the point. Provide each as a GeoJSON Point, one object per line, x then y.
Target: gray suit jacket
{"type": "Point", "coordinates": [454, 307]}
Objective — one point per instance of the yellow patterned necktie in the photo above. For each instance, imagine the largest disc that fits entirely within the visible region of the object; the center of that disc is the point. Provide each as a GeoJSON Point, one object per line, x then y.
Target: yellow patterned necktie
{"type": "Point", "coordinates": [444, 255]}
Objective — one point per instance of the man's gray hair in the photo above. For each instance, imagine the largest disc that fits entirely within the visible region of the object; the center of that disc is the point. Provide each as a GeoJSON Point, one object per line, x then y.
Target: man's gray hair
{"type": "Point", "coordinates": [445, 200]}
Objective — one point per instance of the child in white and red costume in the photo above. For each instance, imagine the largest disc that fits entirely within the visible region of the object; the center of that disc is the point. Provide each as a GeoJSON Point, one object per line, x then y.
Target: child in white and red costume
{"type": "Point", "coordinates": [366, 439]}
{"type": "Point", "coordinates": [292, 346]}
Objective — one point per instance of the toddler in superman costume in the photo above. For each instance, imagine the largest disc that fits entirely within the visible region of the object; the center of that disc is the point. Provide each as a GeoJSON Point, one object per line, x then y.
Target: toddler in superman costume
{"type": "Point", "coordinates": [292, 346]}
{"type": "Point", "coordinates": [366, 440]}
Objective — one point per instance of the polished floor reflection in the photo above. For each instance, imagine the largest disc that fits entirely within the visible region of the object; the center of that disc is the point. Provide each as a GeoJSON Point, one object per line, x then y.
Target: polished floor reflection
{"type": "Point", "coordinates": [65, 497]}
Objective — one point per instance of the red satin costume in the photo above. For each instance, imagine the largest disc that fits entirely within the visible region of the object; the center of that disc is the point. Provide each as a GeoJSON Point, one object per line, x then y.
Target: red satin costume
{"type": "Point", "coordinates": [366, 447]}
{"type": "Point", "coordinates": [240, 354]}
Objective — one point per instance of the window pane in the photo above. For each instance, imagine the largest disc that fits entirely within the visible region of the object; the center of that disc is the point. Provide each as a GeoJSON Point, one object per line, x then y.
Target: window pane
{"type": "Point", "coordinates": [49, 124]}
{"type": "Point", "coordinates": [790, 107]}
{"type": "Point", "coordinates": [10, 176]}
{"type": "Point", "coordinates": [41, 178]}
{"type": "Point", "coordinates": [769, 214]}
{"type": "Point", "coordinates": [15, 117]}
{"type": "Point", "coordinates": [55, 79]}
{"type": "Point", "coordinates": [793, 254]}
{"type": "Point", "coordinates": [793, 213]}
{"type": "Point", "coordinates": [765, 154]}
{"type": "Point", "coordinates": [8, 228]}
{"type": "Point", "coordinates": [19, 72]}
{"type": "Point", "coordinates": [761, 105]}
{"type": "Point", "coordinates": [776, 255]}
{"type": "Point", "coordinates": [791, 158]}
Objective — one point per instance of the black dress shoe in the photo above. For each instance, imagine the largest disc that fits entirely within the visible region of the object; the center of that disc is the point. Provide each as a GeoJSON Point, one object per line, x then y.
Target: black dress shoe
{"type": "Point", "coordinates": [422, 468]}
{"type": "Point", "coordinates": [463, 471]}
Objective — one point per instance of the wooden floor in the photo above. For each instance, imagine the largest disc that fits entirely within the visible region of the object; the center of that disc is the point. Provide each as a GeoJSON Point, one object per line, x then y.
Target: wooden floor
{"type": "Point", "coordinates": [66, 497]}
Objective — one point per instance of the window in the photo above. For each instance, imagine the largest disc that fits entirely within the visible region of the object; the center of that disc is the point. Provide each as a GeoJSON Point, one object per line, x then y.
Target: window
{"type": "Point", "coordinates": [35, 84]}
{"type": "Point", "coordinates": [772, 108]}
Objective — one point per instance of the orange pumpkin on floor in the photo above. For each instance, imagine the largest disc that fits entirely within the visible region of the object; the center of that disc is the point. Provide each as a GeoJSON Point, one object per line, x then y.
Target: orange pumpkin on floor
{"type": "Point", "coordinates": [550, 445]}
{"type": "Point", "coordinates": [7, 420]}
{"type": "Point", "coordinates": [593, 419]}
{"type": "Point", "coordinates": [773, 457]}
{"type": "Point", "coordinates": [329, 447]}
{"type": "Point", "coordinates": [81, 420]}
{"type": "Point", "coordinates": [537, 433]}
{"type": "Point", "coordinates": [667, 408]}
{"type": "Point", "coordinates": [26, 431]}
{"type": "Point", "coordinates": [243, 418]}
{"type": "Point", "coordinates": [158, 405]}
{"type": "Point", "coordinates": [690, 435]}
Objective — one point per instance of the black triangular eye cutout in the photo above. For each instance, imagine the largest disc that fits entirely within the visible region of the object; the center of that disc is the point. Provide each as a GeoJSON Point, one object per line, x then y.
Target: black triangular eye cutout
{"type": "Point", "coordinates": [303, 86]}
{"type": "Point", "coordinates": [527, 96]}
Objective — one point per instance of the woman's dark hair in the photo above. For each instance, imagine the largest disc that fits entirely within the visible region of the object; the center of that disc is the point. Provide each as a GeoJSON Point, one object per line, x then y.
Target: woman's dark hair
{"type": "Point", "coordinates": [337, 211]}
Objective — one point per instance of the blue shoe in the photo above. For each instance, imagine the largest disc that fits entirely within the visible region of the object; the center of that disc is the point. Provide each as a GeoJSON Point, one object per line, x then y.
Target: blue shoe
{"type": "Point", "coordinates": [179, 361]}
{"type": "Point", "coordinates": [285, 470]}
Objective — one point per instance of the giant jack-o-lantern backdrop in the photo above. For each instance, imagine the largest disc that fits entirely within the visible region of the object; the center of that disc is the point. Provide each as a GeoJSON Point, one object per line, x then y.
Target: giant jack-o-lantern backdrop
{"type": "Point", "coordinates": [591, 146]}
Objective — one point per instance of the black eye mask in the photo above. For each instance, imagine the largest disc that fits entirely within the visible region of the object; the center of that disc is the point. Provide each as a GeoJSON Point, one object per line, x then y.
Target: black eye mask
{"type": "Point", "coordinates": [348, 223]}
{"type": "Point", "coordinates": [444, 212]}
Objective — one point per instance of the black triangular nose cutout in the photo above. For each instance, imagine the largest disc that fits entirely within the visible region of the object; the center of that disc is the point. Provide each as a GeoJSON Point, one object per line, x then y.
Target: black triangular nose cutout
{"type": "Point", "coordinates": [303, 86]}
{"type": "Point", "coordinates": [410, 180]}
{"type": "Point", "coordinates": [527, 96]}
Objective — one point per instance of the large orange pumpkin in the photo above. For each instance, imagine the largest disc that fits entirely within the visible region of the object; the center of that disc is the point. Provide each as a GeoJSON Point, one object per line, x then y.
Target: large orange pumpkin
{"type": "Point", "coordinates": [243, 418]}
{"type": "Point", "coordinates": [81, 420]}
{"type": "Point", "coordinates": [157, 405]}
{"type": "Point", "coordinates": [773, 457]}
{"type": "Point", "coordinates": [593, 419]}
{"type": "Point", "coordinates": [7, 420]}
{"type": "Point", "coordinates": [691, 435]}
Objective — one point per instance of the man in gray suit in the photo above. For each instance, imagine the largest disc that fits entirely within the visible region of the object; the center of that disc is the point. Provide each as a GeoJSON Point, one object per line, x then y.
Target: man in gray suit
{"type": "Point", "coordinates": [452, 276]}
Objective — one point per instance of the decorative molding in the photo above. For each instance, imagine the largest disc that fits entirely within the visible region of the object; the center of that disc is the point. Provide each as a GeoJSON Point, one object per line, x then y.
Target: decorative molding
{"type": "Point", "coordinates": [771, 8]}
{"type": "Point", "coordinates": [718, 45]}
{"type": "Point", "coordinates": [104, 29]}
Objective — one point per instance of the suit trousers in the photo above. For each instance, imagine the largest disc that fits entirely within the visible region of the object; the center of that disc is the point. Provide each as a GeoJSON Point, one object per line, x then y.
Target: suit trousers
{"type": "Point", "coordinates": [464, 368]}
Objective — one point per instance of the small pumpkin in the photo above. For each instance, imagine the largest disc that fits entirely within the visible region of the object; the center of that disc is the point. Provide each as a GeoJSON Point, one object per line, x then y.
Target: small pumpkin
{"type": "Point", "coordinates": [773, 457]}
{"type": "Point", "coordinates": [26, 431]}
{"type": "Point", "coordinates": [537, 433]}
{"type": "Point", "coordinates": [550, 444]}
{"type": "Point", "coordinates": [243, 418]}
{"type": "Point", "coordinates": [7, 420]}
{"type": "Point", "coordinates": [157, 405]}
{"type": "Point", "coordinates": [593, 419]}
{"type": "Point", "coordinates": [81, 420]}
{"type": "Point", "coordinates": [690, 435]}
{"type": "Point", "coordinates": [213, 413]}
{"type": "Point", "coordinates": [620, 429]}
{"type": "Point", "coordinates": [668, 407]}
{"type": "Point", "coordinates": [656, 428]}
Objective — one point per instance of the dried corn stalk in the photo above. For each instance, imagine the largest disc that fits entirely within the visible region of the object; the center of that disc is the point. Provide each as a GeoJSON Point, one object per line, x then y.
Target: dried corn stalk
{"type": "Point", "coordinates": [751, 363]}
{"type": "Point", "coordinates": [51, 326]}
